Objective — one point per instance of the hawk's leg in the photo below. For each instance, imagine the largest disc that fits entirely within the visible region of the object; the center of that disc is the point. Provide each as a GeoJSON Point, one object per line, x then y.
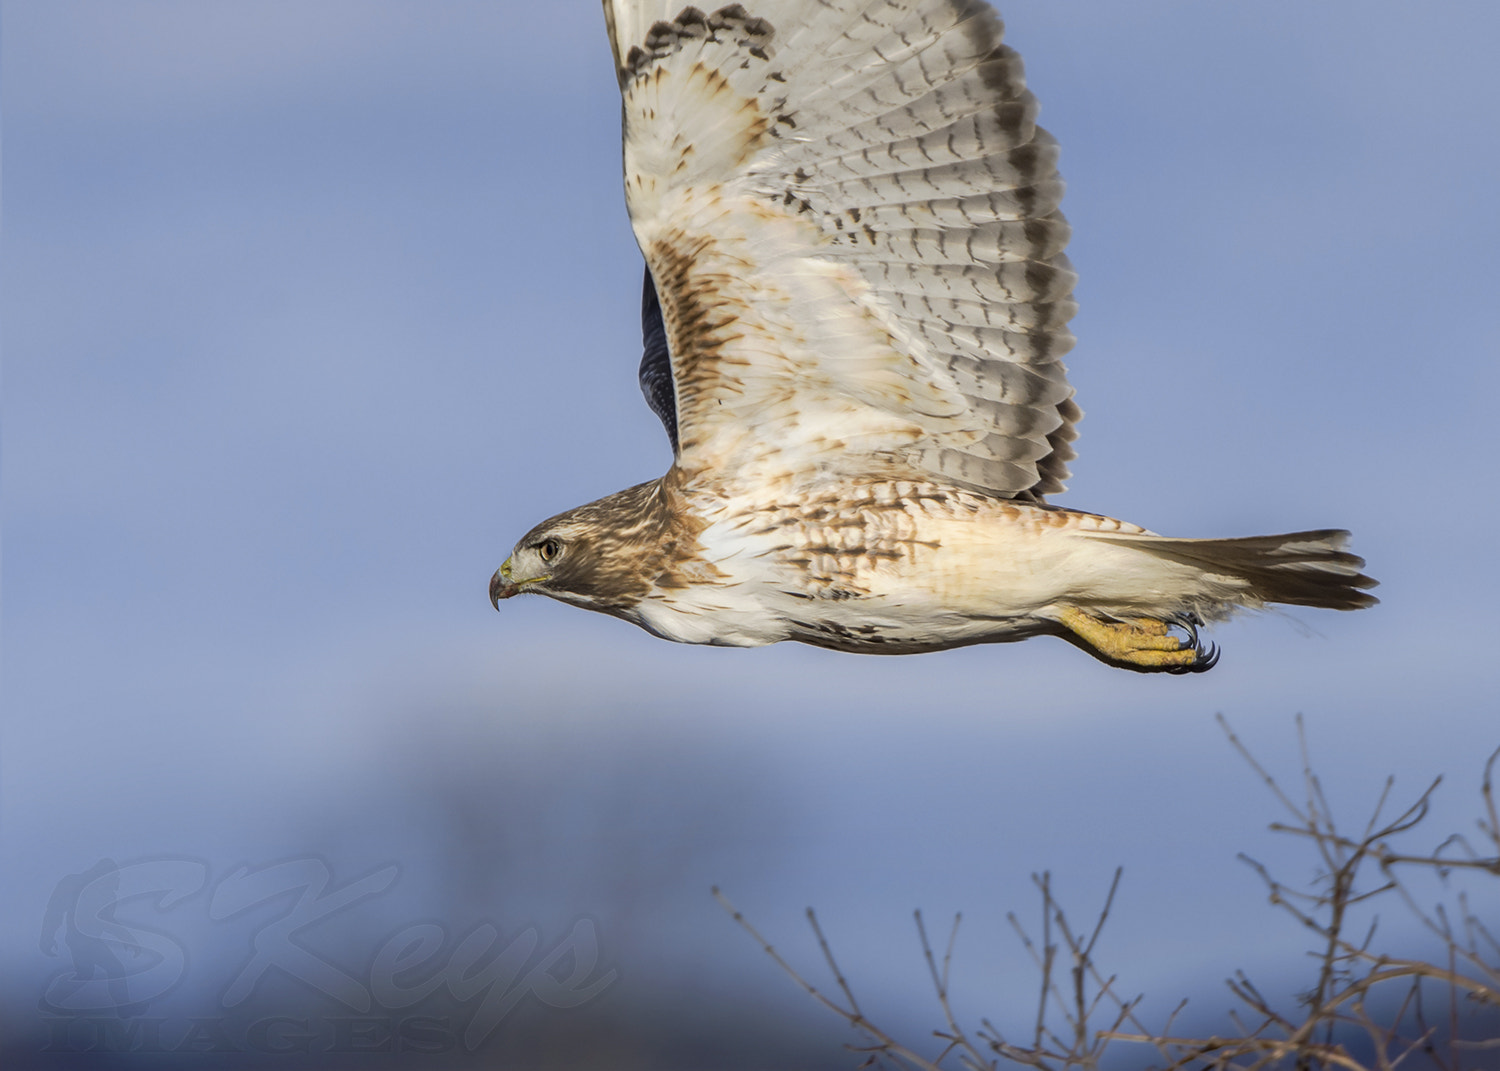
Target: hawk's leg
{"type": "Point", "coordinates": [1143, 643]}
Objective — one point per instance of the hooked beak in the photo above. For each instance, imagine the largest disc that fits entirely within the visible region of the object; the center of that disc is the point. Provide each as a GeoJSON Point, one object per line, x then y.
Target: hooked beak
{"type": "Point", "coordinates": [501, 586]}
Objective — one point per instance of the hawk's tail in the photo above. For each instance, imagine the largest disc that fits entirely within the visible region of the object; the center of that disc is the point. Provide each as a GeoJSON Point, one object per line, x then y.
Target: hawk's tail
{"type": "Point", "coordinates": [1297, 569]}
{"type": "Point", "coordinates": [1160, 584]}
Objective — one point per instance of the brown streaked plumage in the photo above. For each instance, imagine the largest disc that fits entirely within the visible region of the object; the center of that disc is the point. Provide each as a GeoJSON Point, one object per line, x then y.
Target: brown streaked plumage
{"type": "Point", "coordinates": [855, 313]}
{"type": "Point", "coordinates": [619, 549]}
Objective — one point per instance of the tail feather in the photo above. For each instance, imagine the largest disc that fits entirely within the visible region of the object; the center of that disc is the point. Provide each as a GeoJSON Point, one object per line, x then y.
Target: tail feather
{"type": "Point", "coordinates": [1298, 569]}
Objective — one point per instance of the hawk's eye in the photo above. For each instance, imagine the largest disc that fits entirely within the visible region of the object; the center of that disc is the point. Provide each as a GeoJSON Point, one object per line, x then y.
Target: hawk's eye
{"type": "Point", "coordinates": [549, 549]}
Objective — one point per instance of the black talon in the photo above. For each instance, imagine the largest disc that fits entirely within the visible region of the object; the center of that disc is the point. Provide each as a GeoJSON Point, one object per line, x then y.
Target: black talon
{"type": "Point", "coordinates": [1205, 655]}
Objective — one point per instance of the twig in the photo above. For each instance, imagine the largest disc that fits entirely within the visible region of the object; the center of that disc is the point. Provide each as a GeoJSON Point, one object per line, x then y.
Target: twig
{"type": "Point", "coordinates": [1350, 967]}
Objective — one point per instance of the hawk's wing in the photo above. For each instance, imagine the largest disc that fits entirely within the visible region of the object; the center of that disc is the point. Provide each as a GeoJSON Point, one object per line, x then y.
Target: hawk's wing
{"type": "Point", "coordinates": [851, 219]}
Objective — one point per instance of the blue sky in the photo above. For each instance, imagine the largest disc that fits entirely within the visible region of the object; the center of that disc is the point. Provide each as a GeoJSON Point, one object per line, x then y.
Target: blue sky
{"type": "Point", "coordinates": [310, 309]}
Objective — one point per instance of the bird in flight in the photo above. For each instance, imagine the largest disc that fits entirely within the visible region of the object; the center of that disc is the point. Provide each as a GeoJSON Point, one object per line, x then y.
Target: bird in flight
{"type": "Point", "coordinates": [855, 312]}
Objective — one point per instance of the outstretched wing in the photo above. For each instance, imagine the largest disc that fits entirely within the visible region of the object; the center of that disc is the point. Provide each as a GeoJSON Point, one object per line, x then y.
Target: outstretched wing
{"type": "Point", "coordinates": [852, 222]}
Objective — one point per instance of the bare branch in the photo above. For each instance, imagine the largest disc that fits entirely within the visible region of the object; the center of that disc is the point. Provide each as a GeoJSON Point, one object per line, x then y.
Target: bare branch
{"type": "Point", "coordinates": [1348, 998]}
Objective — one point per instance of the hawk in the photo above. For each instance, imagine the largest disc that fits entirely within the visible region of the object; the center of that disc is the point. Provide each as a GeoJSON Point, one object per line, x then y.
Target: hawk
{"type": "Point", "coordinates": [855, 312]}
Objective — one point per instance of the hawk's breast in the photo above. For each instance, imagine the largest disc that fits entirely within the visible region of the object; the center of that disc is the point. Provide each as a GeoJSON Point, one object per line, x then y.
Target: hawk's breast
{"type": "Point", "coordinates": [878, 565]}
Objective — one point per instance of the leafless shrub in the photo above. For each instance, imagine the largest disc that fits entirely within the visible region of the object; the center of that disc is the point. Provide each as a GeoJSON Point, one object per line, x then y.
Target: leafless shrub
{"type": "Point", "coordinates": [1359, 992]}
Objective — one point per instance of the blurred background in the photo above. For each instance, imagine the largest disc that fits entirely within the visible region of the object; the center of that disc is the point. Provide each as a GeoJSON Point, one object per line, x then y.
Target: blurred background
{"type": "Point", "coordinates": [312, 307]}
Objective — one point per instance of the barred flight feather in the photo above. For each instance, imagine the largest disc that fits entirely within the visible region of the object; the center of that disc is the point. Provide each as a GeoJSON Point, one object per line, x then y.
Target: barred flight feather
{"type": "Point", "coordinates": [865, 191]}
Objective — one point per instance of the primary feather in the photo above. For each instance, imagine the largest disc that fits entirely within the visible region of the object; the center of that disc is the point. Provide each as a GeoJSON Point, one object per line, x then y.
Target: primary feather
{"type": "Point", "coordinates": [856, 211]}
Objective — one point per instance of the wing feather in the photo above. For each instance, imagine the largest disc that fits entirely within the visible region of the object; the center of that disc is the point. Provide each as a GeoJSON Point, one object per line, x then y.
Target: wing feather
{"type": "Point", "coordinates": [852, 221]}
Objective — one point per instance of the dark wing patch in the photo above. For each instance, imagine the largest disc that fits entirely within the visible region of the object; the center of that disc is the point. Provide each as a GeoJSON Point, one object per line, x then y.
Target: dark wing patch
{"type": "Point", "coordinates": [656, 362]}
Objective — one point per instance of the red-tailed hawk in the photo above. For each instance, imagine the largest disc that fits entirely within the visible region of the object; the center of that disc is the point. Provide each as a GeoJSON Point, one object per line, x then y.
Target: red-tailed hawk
{"type": "Point", "coordinates": [855, 311]}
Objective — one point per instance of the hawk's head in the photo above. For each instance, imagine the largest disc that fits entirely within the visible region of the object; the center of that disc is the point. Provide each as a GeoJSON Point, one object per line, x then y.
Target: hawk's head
{"type": "Point", "coordinates": [603, 556]}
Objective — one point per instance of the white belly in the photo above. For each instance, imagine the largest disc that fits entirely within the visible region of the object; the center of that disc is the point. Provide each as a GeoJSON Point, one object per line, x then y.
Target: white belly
{"type": "Point", "coordinates": [915, 574]}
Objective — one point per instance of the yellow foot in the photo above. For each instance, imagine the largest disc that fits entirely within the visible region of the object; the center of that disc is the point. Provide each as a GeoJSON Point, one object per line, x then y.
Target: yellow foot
{"type": "Point", "coordinates": [1144, 643]}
